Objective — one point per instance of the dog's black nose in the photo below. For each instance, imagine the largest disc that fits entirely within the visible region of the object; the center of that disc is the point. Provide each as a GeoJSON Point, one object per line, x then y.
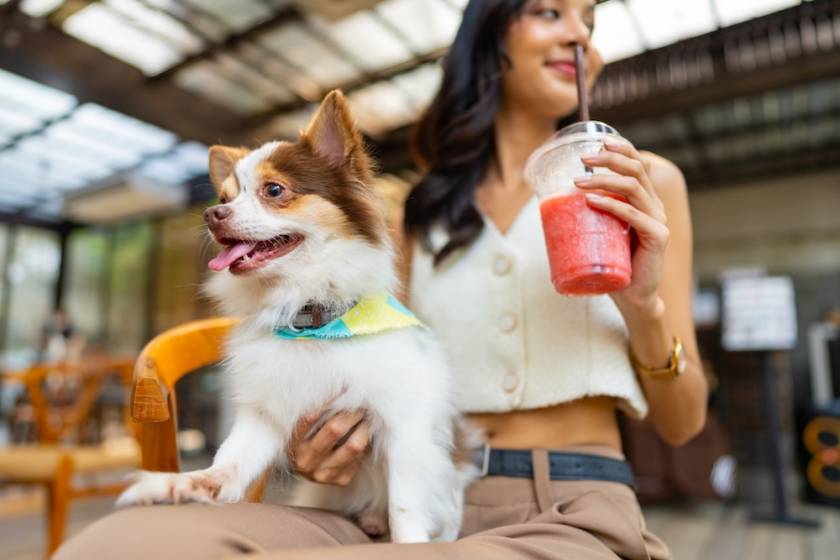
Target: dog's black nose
{"type": "Point", "coordinates": [216, 214]}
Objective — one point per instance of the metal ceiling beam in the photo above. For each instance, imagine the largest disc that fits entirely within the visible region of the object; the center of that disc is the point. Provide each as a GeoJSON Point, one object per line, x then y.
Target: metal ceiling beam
{"type": "Point", "coordinates": [772, 166]}
{"type": "Point", "coordinates": [15, 140]}
{"type": "Point", "coordinates": [21, 219]}
{"type": "Point", "coordinates": [832, 114]}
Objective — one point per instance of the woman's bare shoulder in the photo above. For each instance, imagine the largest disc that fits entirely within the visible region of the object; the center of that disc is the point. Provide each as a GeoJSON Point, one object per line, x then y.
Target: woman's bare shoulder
{"type": "Point", "coordinates": [667, 178]}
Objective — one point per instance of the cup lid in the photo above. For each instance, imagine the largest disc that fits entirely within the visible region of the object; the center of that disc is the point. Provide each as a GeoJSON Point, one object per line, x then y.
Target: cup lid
{"type": "Point", "coordinates": [566, 135]}
{"type": "Point", "coordinates": [589, 127]}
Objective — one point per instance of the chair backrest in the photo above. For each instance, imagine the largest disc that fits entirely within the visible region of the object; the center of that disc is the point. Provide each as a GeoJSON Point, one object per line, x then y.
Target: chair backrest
{"type": "Point", "coordinates": [54, 423]}
{"type": "Point", "coordinates": [166, 359]}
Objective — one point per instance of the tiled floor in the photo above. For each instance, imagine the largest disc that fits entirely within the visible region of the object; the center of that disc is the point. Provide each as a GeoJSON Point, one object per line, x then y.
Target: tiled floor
{"type": "Point", "coordinates": [716, 532]}
{"type": "Point", "coordinates": [694, 532]}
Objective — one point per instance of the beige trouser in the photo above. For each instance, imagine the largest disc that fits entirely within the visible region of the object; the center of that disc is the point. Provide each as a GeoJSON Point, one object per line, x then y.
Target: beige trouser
{"type": "Point", "coordinates": [504, 518]}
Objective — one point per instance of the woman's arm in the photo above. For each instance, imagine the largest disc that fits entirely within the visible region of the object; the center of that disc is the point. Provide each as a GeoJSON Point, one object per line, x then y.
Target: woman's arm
{"type": "Point", "coordinates": [677, 406]}
{"type": "Point", "coordinates": [657, 305]}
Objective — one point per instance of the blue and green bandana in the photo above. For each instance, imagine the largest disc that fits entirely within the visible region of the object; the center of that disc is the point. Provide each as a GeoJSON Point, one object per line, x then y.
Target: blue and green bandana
{"type": "Point", "coordinates": [371, 315]}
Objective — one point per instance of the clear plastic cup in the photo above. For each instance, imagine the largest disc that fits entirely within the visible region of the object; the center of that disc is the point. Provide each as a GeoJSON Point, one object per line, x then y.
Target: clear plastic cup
{"type": "Point", "coordinates": [588, 249]}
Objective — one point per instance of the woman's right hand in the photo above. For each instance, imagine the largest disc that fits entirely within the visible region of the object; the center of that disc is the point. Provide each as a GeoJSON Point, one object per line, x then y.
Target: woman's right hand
{"type": "Point", "coordinates": [333, 454]}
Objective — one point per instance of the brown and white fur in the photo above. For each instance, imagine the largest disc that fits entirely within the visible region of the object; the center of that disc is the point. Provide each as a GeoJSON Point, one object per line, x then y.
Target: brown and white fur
{"type": "Point", "coordinates": [323, 239]}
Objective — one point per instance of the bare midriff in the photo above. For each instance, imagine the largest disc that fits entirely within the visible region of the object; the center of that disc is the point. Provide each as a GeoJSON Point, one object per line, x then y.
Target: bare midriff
{"type": "Point", "coordinates": [590, 420]}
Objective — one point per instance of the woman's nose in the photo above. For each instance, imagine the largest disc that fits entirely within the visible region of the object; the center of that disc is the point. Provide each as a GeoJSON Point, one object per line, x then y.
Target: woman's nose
{"type": "Point", "coordinates": [576, 31]}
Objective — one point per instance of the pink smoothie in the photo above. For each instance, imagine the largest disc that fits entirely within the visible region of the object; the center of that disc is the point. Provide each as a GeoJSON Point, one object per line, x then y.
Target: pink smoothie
{"type": "Point", "coordinates": [588, 249]}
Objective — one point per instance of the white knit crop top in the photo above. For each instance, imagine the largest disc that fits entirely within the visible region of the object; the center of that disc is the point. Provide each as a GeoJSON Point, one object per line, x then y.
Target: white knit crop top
{"type": "Point", "coordinates": [513, 342]}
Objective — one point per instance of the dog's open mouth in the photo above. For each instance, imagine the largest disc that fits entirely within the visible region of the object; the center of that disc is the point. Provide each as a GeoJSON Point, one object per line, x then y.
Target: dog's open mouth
{"type": "Point", "coordinates": [240, 255]}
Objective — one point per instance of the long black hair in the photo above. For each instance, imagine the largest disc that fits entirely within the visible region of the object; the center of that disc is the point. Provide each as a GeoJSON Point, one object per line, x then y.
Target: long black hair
{"type": "Point", "coordinates": [454, 140]}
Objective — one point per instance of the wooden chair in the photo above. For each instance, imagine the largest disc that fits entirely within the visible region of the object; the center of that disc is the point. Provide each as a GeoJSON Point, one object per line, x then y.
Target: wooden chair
{"type": "Point", "coordinates": [166, 359]}
{"type": "Point", "coordinates": [54, 464]}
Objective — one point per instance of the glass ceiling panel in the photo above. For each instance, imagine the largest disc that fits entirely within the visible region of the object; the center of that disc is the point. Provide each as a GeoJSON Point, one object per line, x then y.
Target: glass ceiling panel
{"type": "Point", "coordinates": [27, 97]}
{"type": "Point", "coordinates": [71, 138]}
{"type": "Point", "coordinates": [51, 173]}
{"type": "Point", "coordinates": [427, 25]}
{"type": "Point", "coordinates": [663, 23]}
{"type": "Point", "coordinates": [17, 186]}
{"type": "Point", "coordinates": [48, 156]}
{"type": "Point", "coordinates": [186, 161]}
{"type": "Point", "coordinates": [237, 15]}
{"type": "Point", "coordinates": [205, 78]}
{"type": "Point", "coordinates": [732, 11]}
{"type": "Point", "coordinates": [38, 8]}
{"type": "Point", "coordinates": [13, 123]}
{"type": "Point", "coordinates": [15, 200]}
{"type": "Point", "coordinates": [105, 29]}
{"type": "Point", "coordinates": [615, 33]}
{"type": "Point", "coordinates": [164, 26]}
{"type": "Point", "coordinates": [50, 211]}
{"type": "Point", "coordinates": [381, 107]}
{"type": "Point", "coordinates": [365, 40]}
{"type": "Point", "coordinates": [91, 145]}
{"type": "Point", "coordinates": [420, 84]}
{"type": "Point", "coordinates": [122, 130]}
{"type": "Point", "coordinates": [262, 86]}
{"type": "Point", "coordinates": [27, 169]}
{"type": "Point", "coordinates": [459, 3]}
{"type": "Point", "coordinates": [289, 125]}
{"type": "Point", "coordinates": [205, 23]}
{"type": "Point", "coordinates": [301, 48]}
{"type": "Point", "coordinates": [279, 72]}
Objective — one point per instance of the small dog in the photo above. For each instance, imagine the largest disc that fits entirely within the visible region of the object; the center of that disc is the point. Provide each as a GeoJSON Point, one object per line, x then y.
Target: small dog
{"type": "Point", "coordinates": [304, 235]}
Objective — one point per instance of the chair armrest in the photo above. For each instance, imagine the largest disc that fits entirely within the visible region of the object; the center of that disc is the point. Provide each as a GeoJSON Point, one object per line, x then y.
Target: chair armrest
{"type": "Point", "coordinates": [148, 395]}
{"type": "Point", "coordinates": [168, 357]}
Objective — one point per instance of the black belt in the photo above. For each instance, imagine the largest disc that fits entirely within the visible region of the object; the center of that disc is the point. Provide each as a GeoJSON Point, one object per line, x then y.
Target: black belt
{"type": "Point", "coordinates": [561, 465]}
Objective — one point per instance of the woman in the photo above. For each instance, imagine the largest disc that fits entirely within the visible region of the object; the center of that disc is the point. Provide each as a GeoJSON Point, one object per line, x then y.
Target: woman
{"type": "Point", "coordinates": [536, 370]}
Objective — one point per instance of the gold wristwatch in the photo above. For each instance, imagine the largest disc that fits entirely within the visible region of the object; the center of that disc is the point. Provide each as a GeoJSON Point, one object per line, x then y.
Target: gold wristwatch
{"type": "Point", "coordinates": [676, 364]}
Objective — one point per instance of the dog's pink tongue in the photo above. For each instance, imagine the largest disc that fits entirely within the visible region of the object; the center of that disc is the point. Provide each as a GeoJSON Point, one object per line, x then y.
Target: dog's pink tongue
{"type": "Point", "coordinates": [229, 255]}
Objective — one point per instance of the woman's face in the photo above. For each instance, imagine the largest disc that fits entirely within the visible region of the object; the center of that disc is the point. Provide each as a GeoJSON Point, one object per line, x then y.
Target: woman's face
{"type": "Point", "coordinates": [541, 47]}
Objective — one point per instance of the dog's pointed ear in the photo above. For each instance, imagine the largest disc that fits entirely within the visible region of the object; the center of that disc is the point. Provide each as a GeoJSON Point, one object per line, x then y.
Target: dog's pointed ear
{"type": "Point", "coordinates": [222, 161]}
{"type": "Point", "coordinates": [332, 135]}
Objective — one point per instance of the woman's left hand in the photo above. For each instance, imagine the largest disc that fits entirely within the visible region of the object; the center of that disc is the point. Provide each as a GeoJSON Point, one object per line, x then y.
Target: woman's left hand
{"type": "Point", "coordinates": [643, 211]}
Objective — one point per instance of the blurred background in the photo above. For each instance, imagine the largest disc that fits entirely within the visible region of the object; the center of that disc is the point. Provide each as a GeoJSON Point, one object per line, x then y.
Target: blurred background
{"type": "Point", "coordinates": [106, 112]}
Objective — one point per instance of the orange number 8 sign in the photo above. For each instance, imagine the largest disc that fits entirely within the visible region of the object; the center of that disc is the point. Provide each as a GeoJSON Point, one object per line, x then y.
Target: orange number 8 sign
{"type": "Point", "coordinates": [822, 440]}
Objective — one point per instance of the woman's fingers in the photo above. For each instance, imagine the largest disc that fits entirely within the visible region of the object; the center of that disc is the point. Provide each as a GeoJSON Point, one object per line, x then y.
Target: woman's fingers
{"type": "Point", "coordinates": [312, 452]}
{"type": "Point", "coordinates": [340, 467]}
{"type": "Point", "coordinates": [649, 229]}
{"type": "Point", "coordinates": [618, 163]}
{"type": "Point", "coordinates": [624, 186]}
{"type": "Point", "coordinates": [623, 159]}
{"type": "Point", "coordinates": [304, 426]}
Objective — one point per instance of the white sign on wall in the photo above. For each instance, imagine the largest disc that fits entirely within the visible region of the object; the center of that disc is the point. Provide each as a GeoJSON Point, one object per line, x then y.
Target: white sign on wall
{"type": "Point", "coordinates": [759, 313]}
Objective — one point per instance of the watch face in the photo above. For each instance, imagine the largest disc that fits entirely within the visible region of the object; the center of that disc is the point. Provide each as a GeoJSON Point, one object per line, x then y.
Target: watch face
{"type": "Point", "coordinates": [682, 362]}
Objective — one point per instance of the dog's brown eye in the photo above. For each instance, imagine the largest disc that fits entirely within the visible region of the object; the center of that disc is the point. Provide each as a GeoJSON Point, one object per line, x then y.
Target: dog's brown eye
{"type": "Point", "coordinates": [273, 190]}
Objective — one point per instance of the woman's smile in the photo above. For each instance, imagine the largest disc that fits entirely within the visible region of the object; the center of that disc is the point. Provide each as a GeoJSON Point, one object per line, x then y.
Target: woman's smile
{"type": "Point", "coordinates": [562, 68]}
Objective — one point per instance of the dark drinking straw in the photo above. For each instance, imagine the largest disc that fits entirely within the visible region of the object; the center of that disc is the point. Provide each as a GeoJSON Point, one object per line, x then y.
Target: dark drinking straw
{"type": "Point", "coordinates": [583, 100]}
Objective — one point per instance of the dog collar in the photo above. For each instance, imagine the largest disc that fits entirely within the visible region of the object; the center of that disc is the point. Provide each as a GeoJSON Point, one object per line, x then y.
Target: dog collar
{"type": "Point", "coordinates": [315, 315]}
{"type": "Point", "coordinates": [370, 315]}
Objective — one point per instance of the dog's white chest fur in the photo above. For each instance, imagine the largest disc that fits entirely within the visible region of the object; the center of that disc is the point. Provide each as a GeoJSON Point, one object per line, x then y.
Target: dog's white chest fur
{"type": "Point", "coordinates": [399, 377]}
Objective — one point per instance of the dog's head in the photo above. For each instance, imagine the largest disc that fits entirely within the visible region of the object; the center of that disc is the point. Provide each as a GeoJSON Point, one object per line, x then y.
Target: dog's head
{"type": "Point", "coordinates": [302, 213]}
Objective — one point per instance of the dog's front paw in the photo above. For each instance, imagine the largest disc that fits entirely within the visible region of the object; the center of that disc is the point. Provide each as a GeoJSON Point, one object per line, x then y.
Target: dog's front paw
{"type": "Point", "coordinates": [172, 488]}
